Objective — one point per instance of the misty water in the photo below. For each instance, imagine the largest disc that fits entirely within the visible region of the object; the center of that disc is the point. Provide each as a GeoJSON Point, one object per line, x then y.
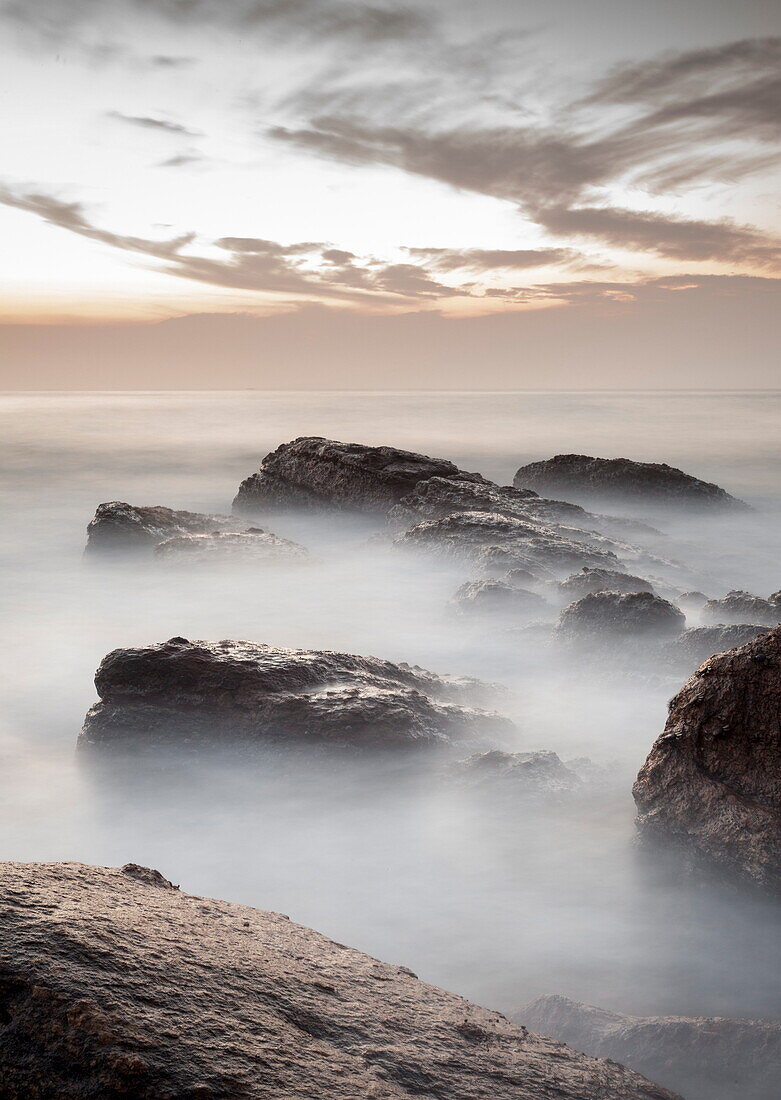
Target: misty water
{"type": "Point", "coordinates": [497, 903]}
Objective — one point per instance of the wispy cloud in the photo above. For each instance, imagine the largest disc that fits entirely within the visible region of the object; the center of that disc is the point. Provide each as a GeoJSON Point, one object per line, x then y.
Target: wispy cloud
{"type": "Point", "coordinates": [148, 122]}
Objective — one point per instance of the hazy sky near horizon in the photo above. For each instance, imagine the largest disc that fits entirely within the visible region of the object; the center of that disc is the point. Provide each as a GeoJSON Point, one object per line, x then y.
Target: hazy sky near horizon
{"type": "Point", "coordinates": [169, 158]}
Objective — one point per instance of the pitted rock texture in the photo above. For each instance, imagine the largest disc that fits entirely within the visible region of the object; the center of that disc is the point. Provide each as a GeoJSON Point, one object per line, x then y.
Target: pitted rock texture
{"type": "Point", "coordinates": [249, 547]}
{"type": "Point", "coordinates": [697, 644]}
{"type": "Point", "coordinates": [116, 988]}
{"type": "Point", "coordinates": [211, 693]}
{"type": "Point", "coordinates": [616, 615]}
{"type": "Point", "coordinates": [121, 528]}
{"type": "Point", "coordinates": [623, 478]}
{"type": "Point", "coordinates": [512, 775]}
{"type": "Point", "coordinates": [600, 580]}
{"type": "Point", "coordinates": [471, 534]}
{"type": "Point", "coordinates": [706, 1057]}
{"type": "Point", "coordinates": [741, 607]}
{"type": "Point", "coordinates": [498, 598]}
{"type": "Point", "coordinates": [312, 471]}
{"type": "Point", "coordinates": [712, 782]}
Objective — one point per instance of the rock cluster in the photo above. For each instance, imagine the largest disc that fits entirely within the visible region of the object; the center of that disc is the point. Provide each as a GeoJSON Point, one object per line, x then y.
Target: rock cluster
{"type": "Point", "coordinates": [512, 775]}
{"type": "Point", "coordinates": [210, 693]}
{"type": "Point", "coordinates": [697, 644]}
{"type": "Point", "coordinates": [712, 782]}
{"type": "Point", "coordinates": [117, 984]}
{"type": "Point", "coordinates": [622, 479]}
{"type": "Point", "coordinates": [707, 1058]}
{"type": "Point", "coordinates": [741, 607]}
{"type": "Point", "coordinates": [122, 528]}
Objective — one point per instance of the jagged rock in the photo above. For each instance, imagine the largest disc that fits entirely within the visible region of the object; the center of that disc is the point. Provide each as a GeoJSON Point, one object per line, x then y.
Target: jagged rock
{"type": "Point", "coordinates": [114, 987]}
{"type": "Point", "coordinates": [312, 471]}
{"type": "Point", "coordinates": [471, 534]}
{"type": "Point", "coordinates": [209, 693]}
{"type": "Point", "coordinates": [706, 1057]}
{"type": "Point", "coordinates": [119, 527]}
{"type": "Point", "coordinates": [697, 644]}
{"type": "Point", "coordinates": [499, 774]}
{"type": "Point", "coordinates": [623, 478]}
{"type": "Point", "coordinates": [615, 615]}
{"type": "Point", "coordinates": [691, 602]}
{"type": "Point", "coordinates": [775, 600]}
{"type": "Point", "coordinates": [712, 782]}
{"type": "Point", "coordinates": [486, 597]}
{"type": "Point", "coordinates": [600, 580]}
{"type": "Point", "coordinates": [741, 607]}
{"type": "Point", "coordinates": [250, 547]}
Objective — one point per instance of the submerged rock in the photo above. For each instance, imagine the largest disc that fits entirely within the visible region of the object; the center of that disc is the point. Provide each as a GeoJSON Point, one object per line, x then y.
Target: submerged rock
{"type": "Point", "coordinates": [237, 547]}
{"type": "Point", "coordinates": [616, 615]}
{"type": "Point", "coordinates": [706, 1057]}
{"type": "Point", "coordinates": [697, 644]}
{"type": "Point", "coordinates": [212, 693]}
{"type": "Point", "coordinates": [313, 471]}
{"type": "Point", "coordinates": [741, 607]}
{"type": "Point", "coordinates": [712, 781]}
{"type": "Point", "coordinates": [487, 597]}
{"type": "Point", "coordinates": [121, 528]}
{"type": "Point", "coordinates": [117, 987]}
{"type": "Point", "coordinates": [471, 534]}
{"type": "Point", "coordinates": [691, 602]}
{"type": "Point", "coordinates": [601, 580]}
{"type": "Point", "coordinates": [512, 774]}
{"type": "Point", "coordinates": [623, 478]}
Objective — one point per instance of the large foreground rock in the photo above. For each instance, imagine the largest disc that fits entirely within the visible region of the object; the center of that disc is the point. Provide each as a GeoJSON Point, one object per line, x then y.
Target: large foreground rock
{"type": "Point", "coordinates": [115, 984]}
{"type": "Point", "coordinates": [312, 471]}
{"type": "Point", "coordinates": [118, 527]}
{"type": "Point", "coordinates": [705, 1057]}
{"type": "Point", "coordinates": [620, 615]}
{"type": "Point", "coordinates": [582, 476]}
{"type": "Point", "coordinates": [210, 693]}
{"type": "Point", "coordinates": [712, 782]}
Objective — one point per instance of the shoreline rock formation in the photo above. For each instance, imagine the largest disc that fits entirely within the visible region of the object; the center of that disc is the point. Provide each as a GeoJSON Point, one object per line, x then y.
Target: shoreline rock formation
{"type": "Point", "coordinates": [623, 479]}
{"type": "Point", "coordinates": [120, 528]}
{"type": "Point", "coordinates": [588, 581]}
{"type": "Point", "coordinates": [712, 782]}
{"type": "Point", "coordinates": [626, 616]}
{"type": "Point", "coordinates": [117, 984]}
{"type": "Point", "coordinates": [217, 693]}
{"type": "Point", "coordinates": [251, 547]}
{"type": "Point", "coordinates": [706, 1057]}
{"type": "Point", "coordinates": [741, 607]}
{"type": "Point", "coordinates": [701, 642]}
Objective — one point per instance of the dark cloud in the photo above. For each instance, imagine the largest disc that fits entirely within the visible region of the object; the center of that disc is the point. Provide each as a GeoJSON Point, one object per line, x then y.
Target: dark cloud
{"type": "Point", "coordinates": [492, 259]}
{"type": "Point", "coordinates": [182, 160]}
{"type": "Point", "coordinates": [165, 61]}
{"type": "Point", "coordinates": [149, 123]}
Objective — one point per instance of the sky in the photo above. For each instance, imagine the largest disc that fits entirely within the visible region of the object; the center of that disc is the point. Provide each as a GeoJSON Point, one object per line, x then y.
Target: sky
{"type": "Point", "coordinates": [317, 193]}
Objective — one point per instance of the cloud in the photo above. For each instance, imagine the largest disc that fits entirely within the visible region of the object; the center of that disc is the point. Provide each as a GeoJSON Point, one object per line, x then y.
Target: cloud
{"type": "Point", "coordinates": [149, 123]}
{"type": "Point", "coordinates": [492, 259]}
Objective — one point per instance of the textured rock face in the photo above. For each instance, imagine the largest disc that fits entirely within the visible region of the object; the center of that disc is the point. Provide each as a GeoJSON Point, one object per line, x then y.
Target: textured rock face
{"type": "Point", "coordinates": [471, 534]}
{"type": "Point", "coordinates": [622, 478]}
{"type": "Point", "coordinates": [113, 986]}
{"type": "Point", "coordinates": [615, 615]}
{"type": "Point", "coordinates": [515, 774]}
{"type": "Point", "coordinates": [209, 693]}
{"type": "Point", "coordinates": [696, 645]}
{"type": "Point", "coordinates": [741, 607]}
{"type": "Point", "coordinates": [120, 528]}
{"type": "Point", "coordinates": [712, 782]}
{"type": "Point", "coordinates": [250, 547]}
{"type": "Point", "coordinates": [601, 580]}
{"type": "Point", "coordinates": [312, 471]}
{"type": "Point", "coordinates": [707, 1058]}
{"type": "Point", "coordinates": [499, 598]}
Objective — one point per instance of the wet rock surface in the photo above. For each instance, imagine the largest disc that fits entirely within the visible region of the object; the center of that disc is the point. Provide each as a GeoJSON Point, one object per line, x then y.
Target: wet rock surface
{"type": "Point", "coordinates": [741, 607]}
{"type": "Point", "coordinates": [623, 478]}
{"type": "Point", "coordinates": [499, 598]}
{"type": "Point", "coordinates": [712, 782]}
{"type": "Point", "coordinates": [706, 1058]}
{"type": "Point", "coordinates": [113, 986]}
{"type": "Point", "coordinates": [600, 580]}
{"type": "Point", "coordinates": [119, 528]}
{"type": "Point", "coordinates": [313, 471]}
{"type": "Point", "coordinates": [699, 643]}
{"type": "Point", "coordinates": [210, 693]}
{"type": "Point", "coordinates": [249, 547]}
{"type": "Point", "coordinates": [615, 615]}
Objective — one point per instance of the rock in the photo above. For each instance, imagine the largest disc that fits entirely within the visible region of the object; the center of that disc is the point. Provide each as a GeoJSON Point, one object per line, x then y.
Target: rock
{"type": "Point", "coordinates": [775, 600]}
{"type": "Point", "coordinates": [470, 534]}
{"type": "Point", "coordinates": [113, 987]}
{"type": "Point", "coordinates": [119, 527]}
{"type": "Point", "coordinates": [600, 580]}
{"type": "Point", "coordinates": [249, 547]}
{"type": "Point", "coordinates": [741, 607]}
{"type": "Point", "coordinates": [691, 602]}
{"type": "Point", "coordinates": [697, 644]}
{"type": "Point", "coordinates": [210, 693]}
{"type": "Point", "coordinates": [706, 1057]}
{"type": "Point", "coordinates": [316, 472]}
{"type": "Point", "coordinates": [712, 782]}
{"type": "Point", "coordinates": [511, 774]}
{"type": "Point", "coordinates": [486, 597]}
{"type": "Point", "coordinates": [615, 615]}
{"type": "Point", "coordinates": [622, 478]}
